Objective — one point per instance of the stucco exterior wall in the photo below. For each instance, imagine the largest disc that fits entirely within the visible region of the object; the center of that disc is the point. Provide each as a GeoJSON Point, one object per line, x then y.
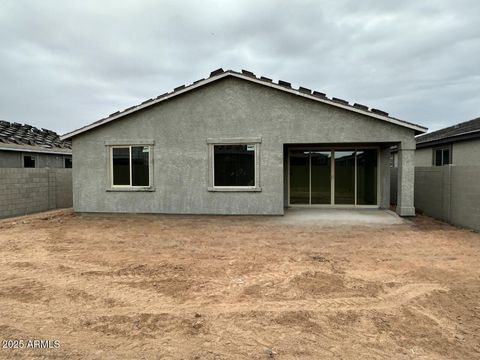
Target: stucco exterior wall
{"type": "Point", "coordinates": [10, 159]}
{"type": "Point", "coordinates": [14, 159]}
{"type": "Point", "coordinates": [466, 153]}
{"type": "Point", "coordinates": [423, 157]}
{"type": "Point", "coordinates": [228, 108]}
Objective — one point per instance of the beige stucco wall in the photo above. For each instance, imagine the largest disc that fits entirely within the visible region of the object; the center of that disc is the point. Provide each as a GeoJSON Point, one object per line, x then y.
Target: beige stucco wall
{"type": "Point", "coordinates": [466, 153]}
{"type": "Point", "coordinates": [229, 108]}
{"type": "Point", "coordinates": [423, 157]}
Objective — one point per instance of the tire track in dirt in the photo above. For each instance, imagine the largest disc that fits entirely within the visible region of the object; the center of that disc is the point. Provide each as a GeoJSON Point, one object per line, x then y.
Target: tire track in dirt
{"type": "Point", "coordinates": [153, 302]}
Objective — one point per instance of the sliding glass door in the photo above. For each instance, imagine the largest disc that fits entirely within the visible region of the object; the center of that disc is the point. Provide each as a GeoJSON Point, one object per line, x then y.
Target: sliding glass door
{"type": "Point", "coordinates": [299, 177]}
{"type": "Point", "coordinates": [333, 177]}
{"type": "Point", "coordinates": [321, 184]}
{"type": "Point", "coordinates": [345, 177]}
{"type": "Point", "coordinates": [367, 177]}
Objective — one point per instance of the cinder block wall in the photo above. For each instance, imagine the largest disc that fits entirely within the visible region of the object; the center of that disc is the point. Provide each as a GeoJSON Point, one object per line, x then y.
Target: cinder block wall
{"type": "Point", "coordinates": [449, 193]}
{"type": "Point", "coordinates": [26, 191]}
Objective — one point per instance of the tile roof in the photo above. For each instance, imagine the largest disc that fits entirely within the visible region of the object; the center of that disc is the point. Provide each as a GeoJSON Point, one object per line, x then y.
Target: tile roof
{"type": "Point", "coordinates": [248, 75]}
{"type": "Point", "coordinates": [13, 134]}
{"type": "Point", "coordinates": [465, 128]}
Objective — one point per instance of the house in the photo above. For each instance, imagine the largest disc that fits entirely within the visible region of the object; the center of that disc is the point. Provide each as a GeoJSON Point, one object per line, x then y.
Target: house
{"type": "Point", "coordinates": [25, 146]}
{"type": "Point", "coordinates": [449, 193]}
{"type": "Point", "coordinates": [457, 145]}
{"type": "Point", "coordinates": [235, 143]}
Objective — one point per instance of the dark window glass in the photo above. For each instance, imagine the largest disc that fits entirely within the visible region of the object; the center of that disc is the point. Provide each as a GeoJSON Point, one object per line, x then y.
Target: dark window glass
{"type": "Point", "coordinates": [438, 157]}
{"type": "Point", "coordinates": [446, 156]}
{"type": "Point", "coordinates": [299, 177]}
{"type": "Point", "coordinates": [68, 163]}
{"type": "Point", "coordinates": [28, 161]}
{"type": "Point", "coordinates": [344, 177]}
{"type": "Point", "coordinates": [320, 169]}
{"type": "Point", "coordinates": [140, 165]}
{"type": "Point", "coordinates": [234, 165]}
{"type": "Point", "coordinates": [367, 177]}
{"type": "Point", "coordinates": [121, 166]}
{"type": "Point", "coordinates": [442, 157]}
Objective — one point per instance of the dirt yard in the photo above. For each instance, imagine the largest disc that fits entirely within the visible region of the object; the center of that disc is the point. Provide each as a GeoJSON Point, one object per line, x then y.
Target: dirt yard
{"type": "Point", "coordinates": [171, 287]}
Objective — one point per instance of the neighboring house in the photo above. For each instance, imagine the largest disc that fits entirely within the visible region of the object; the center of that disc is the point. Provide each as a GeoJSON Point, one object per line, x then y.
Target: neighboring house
{"type": "Point", "coordinates": [25, 146]}
{"type": "Point", "coordinates": [449, 193]}
{"type": "Point", "coordinates": [457, 145]}
{"type": "Point", "coordinates": [235, 143]}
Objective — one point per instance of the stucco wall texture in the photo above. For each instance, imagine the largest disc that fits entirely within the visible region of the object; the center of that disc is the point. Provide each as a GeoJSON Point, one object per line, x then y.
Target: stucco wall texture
{"type": "Point", "coordinates": [464, 153]}
{"type": "Point", "coordinates": [14, 159]}
{"type": "Point", "coordinates": [228, 108]}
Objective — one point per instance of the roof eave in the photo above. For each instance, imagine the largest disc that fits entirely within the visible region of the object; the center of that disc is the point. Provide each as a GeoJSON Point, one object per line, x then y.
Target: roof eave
{"type": "Point", "coordinates": [39, 150]}
{"type": "Point", "coordinates": [450, 139]}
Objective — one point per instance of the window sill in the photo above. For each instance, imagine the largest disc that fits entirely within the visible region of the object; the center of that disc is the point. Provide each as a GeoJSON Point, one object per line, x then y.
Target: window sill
{"type": "Point", "coordinates": [131, 189]}
{"type": "Point", "coordinates": [234, 189]}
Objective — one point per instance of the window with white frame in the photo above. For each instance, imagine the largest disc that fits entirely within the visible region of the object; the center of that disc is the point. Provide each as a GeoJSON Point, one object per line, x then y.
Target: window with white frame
{"type": "Point", "coordinates": [442, 156]}
{"type": "Point", "coordinates": [234, 166]}
{"type": "Point", "coordinates": [130, 166]}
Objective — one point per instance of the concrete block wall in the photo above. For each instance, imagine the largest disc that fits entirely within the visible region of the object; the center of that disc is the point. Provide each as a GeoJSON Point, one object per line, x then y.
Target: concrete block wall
{"type": "Point", "coordinates": [449, 193]}
{"type": "Point", "coordinates": [431, 191]}
{"type": "Point", "coordinates": [26, 191]}
{"type": "Point", "coordinates": [465, 196]}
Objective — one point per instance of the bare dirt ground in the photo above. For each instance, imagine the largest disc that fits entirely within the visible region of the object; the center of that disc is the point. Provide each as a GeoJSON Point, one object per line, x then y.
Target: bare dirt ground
{"type": "Point", "coordinates": [177, 287]}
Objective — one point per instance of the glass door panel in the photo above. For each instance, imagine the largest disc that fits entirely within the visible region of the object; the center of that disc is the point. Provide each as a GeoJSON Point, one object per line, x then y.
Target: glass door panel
{"type": "Point", "coordinates": [345, 177]}
{"type": "Point", "coordinates": [320, 177]}
{"type": "Point", "coordinates": [299, 177]}
{"type": "Point", "coordinates": [367, 177]}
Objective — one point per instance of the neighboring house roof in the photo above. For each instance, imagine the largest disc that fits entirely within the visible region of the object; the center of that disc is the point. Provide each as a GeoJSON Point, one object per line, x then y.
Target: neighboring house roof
{"type": "Point", "coordinates": [249, 76]}
{"type": "Point", "coordinates": [18, 137]}
{"type": "Point", "coordinates": [463, 131]}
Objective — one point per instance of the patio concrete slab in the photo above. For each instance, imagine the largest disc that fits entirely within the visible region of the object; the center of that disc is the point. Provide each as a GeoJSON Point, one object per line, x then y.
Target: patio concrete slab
{"type": "Point", "coordinates": [336, 217]}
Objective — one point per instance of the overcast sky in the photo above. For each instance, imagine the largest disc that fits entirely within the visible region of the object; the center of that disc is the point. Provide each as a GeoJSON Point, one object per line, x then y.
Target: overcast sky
{"type": "Point", "coordinates": [64, 64]}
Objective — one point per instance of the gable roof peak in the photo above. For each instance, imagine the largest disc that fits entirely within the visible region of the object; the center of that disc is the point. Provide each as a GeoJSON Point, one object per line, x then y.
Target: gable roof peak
{"type": "Point", "coordinates": [250, 76]}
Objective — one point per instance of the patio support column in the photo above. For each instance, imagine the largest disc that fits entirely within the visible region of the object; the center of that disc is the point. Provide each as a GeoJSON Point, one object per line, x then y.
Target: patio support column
{"type": "Point", "coordinates": [384, 178]}
{"type": "Point", "coordinates": [406, 180]}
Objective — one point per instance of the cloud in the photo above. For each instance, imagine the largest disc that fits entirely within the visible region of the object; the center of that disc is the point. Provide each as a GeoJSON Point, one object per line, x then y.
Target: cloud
{"type": "Point", "coordinates": [66, 64]}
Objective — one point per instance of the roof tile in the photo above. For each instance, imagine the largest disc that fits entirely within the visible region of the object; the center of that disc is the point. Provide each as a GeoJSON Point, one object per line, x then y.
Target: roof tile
{"type": "Point", "coordinates": [340, 101]}
{"type": "Point", "coordinates": [304, 90]}
{"type": "Point", "coordinates": [216, 72]}
{"type": "Point", "coordinates": [360, 106]}
{"type": "Point", "coordinates": [248, 73]}
{"type": "Point", "coordinates": [469, 126]}
{"type": "Point", "coordinates": [284, 83]}
{"type": "Point", "coordinates": [379, 112]}
{"type": "Point", "coordinates": [17, 133]}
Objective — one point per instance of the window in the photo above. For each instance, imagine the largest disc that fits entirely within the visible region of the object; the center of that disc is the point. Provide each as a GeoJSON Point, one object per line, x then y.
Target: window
{"type": "Point", "coordinates": [28, 161]}
{"type": "Point", "coordinates": [441, 156]}
{"type": "Point", "coordinates": [234, 165]}
{"type": "Point", "coordinates": [130, 166]}
{"type": "Point", "coordinates": [68, 162]}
